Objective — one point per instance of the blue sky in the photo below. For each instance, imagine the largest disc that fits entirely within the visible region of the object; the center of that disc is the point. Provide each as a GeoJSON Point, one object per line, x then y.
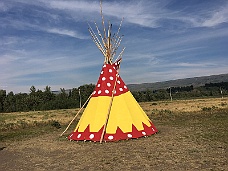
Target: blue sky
{"type": "Point", "coordinates": [46, 42]}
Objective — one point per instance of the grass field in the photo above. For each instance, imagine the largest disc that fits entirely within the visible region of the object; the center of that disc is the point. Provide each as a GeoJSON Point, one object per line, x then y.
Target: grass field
{"type": "Point", "coordinates": [192, 136]}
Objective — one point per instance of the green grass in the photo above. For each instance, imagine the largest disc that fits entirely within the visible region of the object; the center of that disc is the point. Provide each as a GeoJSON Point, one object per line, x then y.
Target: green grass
{"type": "Point", "coordinates": [210, 125]}
{"type": "Point", "coordinates": [22, 130]}
{"type": "Point", "coordinates": [185, 141]}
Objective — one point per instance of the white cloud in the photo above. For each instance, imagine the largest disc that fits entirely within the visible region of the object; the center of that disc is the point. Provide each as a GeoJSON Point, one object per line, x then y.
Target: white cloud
{"type": "Point", "coordinates": [3, 7]}
{"type": "Point", "coordinates": [144, 13]}
{"type": "Point", "coordinates": [145, 75]}
{"type": "Point", "coordinates": [86, 6]}
{"type": "Point", "coordinates": [164, 53]}
{"type": "Point", "coordinates": [24, 25]}
{"type": "Point", "coordinates": [192, 65]}
{"type": "Point", "coordinates": [7, 59]}
{"type": "Point", "coordinates": [218, 17]}
{"type": "Point", "coordinates": [65, 32]}
{"type": "Point", "coordinates": [8, 41]}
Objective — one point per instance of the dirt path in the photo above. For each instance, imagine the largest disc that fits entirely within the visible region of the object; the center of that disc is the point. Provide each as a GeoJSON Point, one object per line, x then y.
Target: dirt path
{"type": "Point", "coordinates": [172, 148]}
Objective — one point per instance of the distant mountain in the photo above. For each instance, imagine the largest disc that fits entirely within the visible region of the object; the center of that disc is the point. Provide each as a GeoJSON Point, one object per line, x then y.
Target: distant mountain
{"type": "Point", "coordinates": [195, 81]}
{"type": "Point", "coordinates": [67, 91]}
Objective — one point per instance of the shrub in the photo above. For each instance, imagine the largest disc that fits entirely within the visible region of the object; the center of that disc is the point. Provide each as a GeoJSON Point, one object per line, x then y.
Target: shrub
{"type": "Point", "coordinates": [55, 124]}
{"type": "Point", "coordinates": [206, 109]}
{"type": "Point", "coordinates": [223, 104]}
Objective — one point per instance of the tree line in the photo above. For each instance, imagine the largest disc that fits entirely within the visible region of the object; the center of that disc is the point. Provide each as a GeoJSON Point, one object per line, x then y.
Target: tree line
{"type": "Point", "coordinates": [184, 92]}
{"type": "Point", "coordinates": [44, 100]}
{"type": "Point", "coordinates": [74, 98]}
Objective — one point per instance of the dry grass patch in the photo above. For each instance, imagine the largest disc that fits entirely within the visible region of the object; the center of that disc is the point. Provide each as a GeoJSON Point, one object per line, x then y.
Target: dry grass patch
{"type": "Point", "coordinates": [186, 105]}
{"type": "Point", "coordinates": [19, 125]}
{"type": "Point", "coordinates": [35, 117]}
{"type": "Point", "coordinates": [160, 110]}
{"type": "Point", "coordinates": [186, 141]}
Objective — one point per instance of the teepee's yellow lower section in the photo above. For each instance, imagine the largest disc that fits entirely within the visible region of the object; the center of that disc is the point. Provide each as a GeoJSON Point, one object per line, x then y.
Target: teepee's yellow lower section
{"type": "Point", "coordinates": [126, 119]}
{"type": "Point", "coordinates": [125, 111]}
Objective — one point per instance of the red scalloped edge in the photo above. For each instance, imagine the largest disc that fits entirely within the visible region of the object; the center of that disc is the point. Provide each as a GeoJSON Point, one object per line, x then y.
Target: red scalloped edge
{"type": "Point", "coordinates": [119, 135]}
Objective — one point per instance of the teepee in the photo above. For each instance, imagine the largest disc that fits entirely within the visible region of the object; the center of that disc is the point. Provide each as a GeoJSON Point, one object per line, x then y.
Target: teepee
{"type": "Point", "coordinates": [112, 112]}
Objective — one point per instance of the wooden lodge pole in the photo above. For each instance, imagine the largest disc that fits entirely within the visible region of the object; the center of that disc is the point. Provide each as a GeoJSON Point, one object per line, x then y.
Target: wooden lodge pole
{"type": "Point", "coordinates": [76, 115]}
{"type": "Point", "coordinates": [109, 109]}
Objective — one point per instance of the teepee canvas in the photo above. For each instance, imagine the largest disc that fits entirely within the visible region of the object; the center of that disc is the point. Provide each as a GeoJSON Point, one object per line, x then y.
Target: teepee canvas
{"type": "Point", "coordinates": [112, 112]}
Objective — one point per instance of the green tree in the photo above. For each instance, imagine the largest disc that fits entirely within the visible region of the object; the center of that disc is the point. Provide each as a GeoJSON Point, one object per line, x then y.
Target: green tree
{"type": "Point", "coordinates": [21, 102]}
{"type": "Point", "coordinates": [2, 98]}
{"type": "Point", "coordinates": [10, 103]}
{"type": "Point", "coordinates": [85, 91]}
{"type": "Point", "coordinates": [48, 95]}
{"type": "Point", "coordinates": [32, 90]}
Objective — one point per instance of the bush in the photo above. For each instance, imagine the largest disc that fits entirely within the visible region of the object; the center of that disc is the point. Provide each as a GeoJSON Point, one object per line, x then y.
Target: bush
{"type": "Point", "coordinates": [55, 124]}
{"type": "Point", "coordinates": [206, 109]}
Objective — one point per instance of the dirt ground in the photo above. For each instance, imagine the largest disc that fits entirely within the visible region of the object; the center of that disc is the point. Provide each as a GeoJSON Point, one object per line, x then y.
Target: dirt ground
{"type": "Point", "coordinates": [170, 149]}
{"type": "Point", "coordinates": [182, 143]}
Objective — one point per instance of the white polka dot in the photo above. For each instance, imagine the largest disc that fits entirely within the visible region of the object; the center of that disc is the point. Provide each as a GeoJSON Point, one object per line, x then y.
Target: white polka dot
{"type": "Point", "coordinates": [106, 91]}
{"type": "Point", "coordinates": [91, 136]}
{"type": "Point", "coordinates": [103, 78]}
{"type": "Point", "coordinates": [125, 87]}
{"type": "Point", "coordinates": [102, 72]}
{"type": "Point", "coordinates": [94, 92]}
{"type": "Point", "coordinates": [115, 63]}
{"type": "Point", "coordinates": [118, 75]}
{"type": "Point", "coordinates": [98, 85]}
{"type": "Point", "coordinates": [99, 92]}
{"type": "Point", "coordinates": [110, 137]}
{"type": "Point", "coordinates": [118, 81]}
{"type": "Point", "coordinates": [79, 135]}
{"type": "Point", "coordinates": [109, 84]}
{"type": "Point", "coordinates": [104, 66]}
{"type": "Point", "coordinates": [143, 133]}
{"type": "Point", "coordinates": [153, 129]}
{"type": "Point", "coordinates": [115, 92]}
{"type": "Point", "coordinates": [120, 89]}
{"type": "Point", "coordinates": [110, 70]}
{"type": "Point", "coordinates": [129, 135]}
{"type": "Point", "coordinates": [111, 78]}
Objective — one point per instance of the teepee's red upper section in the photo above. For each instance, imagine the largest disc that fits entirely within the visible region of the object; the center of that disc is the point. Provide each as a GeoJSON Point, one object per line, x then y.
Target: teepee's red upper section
{"type": "Point", "coordinates": [108, 79]}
